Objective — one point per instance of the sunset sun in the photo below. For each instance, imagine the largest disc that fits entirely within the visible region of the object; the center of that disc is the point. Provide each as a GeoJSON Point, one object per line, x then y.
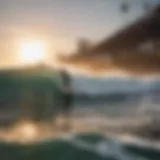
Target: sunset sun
{"type": "Point", "coordinates": [32, 52]}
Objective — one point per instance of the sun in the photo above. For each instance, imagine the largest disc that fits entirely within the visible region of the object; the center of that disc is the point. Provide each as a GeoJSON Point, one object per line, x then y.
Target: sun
{"type": "Point", "coordinates": [32, 52]}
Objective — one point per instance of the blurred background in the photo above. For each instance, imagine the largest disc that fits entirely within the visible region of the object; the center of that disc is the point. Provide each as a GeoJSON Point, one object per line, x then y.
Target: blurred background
{"type": "Point", "coordinates": [79, 79]}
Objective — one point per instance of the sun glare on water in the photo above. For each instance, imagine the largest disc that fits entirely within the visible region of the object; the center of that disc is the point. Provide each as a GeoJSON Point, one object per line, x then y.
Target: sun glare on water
{"type": "Point", "coordinates": [32, 52]}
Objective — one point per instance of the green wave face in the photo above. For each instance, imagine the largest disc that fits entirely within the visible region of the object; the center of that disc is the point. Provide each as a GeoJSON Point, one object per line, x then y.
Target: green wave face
{"type": "Point", "coordinates": [32, 93]}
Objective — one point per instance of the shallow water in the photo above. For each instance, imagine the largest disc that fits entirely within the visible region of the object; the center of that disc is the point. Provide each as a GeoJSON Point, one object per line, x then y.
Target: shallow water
{"type": "Point", "coordinates": [87, 146]}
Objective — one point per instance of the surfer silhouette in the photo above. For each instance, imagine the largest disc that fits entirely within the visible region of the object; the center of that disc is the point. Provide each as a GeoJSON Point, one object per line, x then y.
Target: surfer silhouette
{"type": "Point", "coordinates": [67, 98]}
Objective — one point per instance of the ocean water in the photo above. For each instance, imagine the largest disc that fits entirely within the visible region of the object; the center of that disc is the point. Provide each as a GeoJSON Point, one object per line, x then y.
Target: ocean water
{"type": "Point", "coordinates": [103, 128]}
{"type": "Point", "coordinates": [103, 131]}
{"type": "Point", "coordinates": [86, 146]}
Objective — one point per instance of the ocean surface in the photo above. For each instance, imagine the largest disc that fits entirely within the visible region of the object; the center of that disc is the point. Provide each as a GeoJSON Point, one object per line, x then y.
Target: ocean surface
{"type": "Point", "coordinates": [109, 122]}
{"type": "Point", "coordinates": [86, 146]}
{"type": "Point", "coordinates": [103, 131]}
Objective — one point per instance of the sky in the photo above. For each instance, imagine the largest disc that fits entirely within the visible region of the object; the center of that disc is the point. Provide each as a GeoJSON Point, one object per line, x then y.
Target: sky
{"type": "Point", "coordinates": [62, 22]}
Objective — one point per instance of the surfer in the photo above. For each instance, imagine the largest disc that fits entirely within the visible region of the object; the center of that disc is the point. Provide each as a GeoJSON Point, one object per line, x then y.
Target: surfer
{"type": "Point", "coordinates": [67, 97]}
